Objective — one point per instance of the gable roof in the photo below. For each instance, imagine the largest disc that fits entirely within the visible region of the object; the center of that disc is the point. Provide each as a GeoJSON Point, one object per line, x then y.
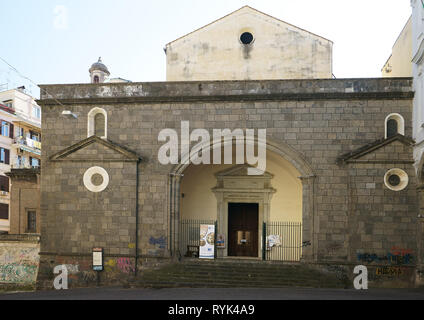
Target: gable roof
{"type": "Point", "coordinates": [127, 155]}
{"type": "Point", "coordinates": [244, 8]}
{"type": "Point", "coordinates": [371, 147]}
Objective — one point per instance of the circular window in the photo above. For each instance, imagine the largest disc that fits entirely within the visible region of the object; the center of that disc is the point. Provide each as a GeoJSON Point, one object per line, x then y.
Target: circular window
{"type": "Point", "coordinates": [96, 179]}
{"type": "Point", "coordinates": [396, 179]}
{"type": "Point", "coordinates": [246, 38]}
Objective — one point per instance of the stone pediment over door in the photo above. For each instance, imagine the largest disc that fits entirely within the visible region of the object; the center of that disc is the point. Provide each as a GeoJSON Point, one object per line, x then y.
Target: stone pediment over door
{"type": "Point", "coordinates": [237, 178]}
{"type": "Point", "coordinates": [95, 149]}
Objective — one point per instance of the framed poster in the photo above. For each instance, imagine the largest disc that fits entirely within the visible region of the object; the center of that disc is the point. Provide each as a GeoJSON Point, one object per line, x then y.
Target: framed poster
{"type": "Point", "coordinates": [98, 259]}
{"type": "Point", "coordinates": [207, 242]}
{"type": "Point", "coordinates": [220, 241]}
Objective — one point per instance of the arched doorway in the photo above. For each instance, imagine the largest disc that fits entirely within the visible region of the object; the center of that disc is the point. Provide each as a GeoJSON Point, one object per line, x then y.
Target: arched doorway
{"type": "Point", "coordinates": [218, 193]}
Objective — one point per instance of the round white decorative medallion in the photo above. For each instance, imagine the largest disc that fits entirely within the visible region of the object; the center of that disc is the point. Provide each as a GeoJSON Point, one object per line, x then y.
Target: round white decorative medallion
{"type": "Point", "coordinates": [396, 179]}
{"type": "Point", "coordinates": [92, 173]}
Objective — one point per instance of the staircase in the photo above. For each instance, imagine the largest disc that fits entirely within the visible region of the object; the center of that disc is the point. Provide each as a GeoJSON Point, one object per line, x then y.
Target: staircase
{"type": "Point", "coordinates": [195, 273]}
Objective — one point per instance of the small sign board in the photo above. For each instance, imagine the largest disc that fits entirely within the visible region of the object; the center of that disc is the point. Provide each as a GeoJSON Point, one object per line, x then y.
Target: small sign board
{"type": "Point", "coordinates": [207, 242]}
{"type": "Point", "coordinates": [98, 259]}
{"type": "Point", "coordinates": [220, 241]}
{"type": "Point", "coordinates": [273, 240]}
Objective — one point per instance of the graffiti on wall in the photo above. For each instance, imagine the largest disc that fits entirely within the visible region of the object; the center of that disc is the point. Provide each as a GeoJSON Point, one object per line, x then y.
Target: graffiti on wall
{"type": "Point", "coordinates": [390, 271]}
{"type": "Point", "coordinates": [18, 263]}
{"type": "Point", "coordinates": [125, 265]}
{"type": "Point", "coordinates": [306, 244]}
{"type": "Point", "coordinates": [18, 273]}
{"type": "Point", "coordinates": [80, 272]}
{"type": "Point", "coordinates": [160, 242]}
{"type": "Point", "coordinates": [339, 271]}
{"type": "Point", "coordinates": [397, 256]}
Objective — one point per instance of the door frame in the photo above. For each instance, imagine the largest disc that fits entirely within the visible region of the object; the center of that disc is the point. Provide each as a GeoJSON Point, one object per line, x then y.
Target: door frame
{"type": "Point", "coordinates": [234, 185]}
{"type": "Point", "coordinates": [258, 238]}
{"type": "Point", "coordinates": [223, 221]}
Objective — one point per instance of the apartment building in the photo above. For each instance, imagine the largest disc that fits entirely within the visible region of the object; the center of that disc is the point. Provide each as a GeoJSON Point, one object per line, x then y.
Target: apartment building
{"type": "Point", "coordinates": [20, 142]}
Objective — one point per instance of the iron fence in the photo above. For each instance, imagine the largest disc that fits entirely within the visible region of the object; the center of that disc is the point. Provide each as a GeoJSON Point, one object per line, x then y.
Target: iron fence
{"type": "Point", "coordinates": [282, 241]}
{"type": "Point", "coordinates": [189, 236]}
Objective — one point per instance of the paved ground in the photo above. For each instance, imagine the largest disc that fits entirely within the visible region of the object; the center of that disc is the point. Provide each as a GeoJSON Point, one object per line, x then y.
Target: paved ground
{"type": "Point", "coordinates": [190, 294]}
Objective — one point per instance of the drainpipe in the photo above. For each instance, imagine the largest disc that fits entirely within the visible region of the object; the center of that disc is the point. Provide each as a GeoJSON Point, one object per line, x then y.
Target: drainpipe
{"type": "Point", "coordinates": [171, 203]}
{"type": "Point", "coordinates": [174, 210]}
{"type": "Point", "coordinates": [177, 215]}
{"type": "Point", "coordinates": [136, 218]}
{"type": "Point", "coordinates": [19, 213]}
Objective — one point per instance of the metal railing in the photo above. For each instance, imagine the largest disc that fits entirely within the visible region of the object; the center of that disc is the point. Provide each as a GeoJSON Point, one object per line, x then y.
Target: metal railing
{"type": "Point", "coordinates": [24, 166]}
{"type": "Point", "coordinates": [189, 236]}
{"type": "Point", "coordinates": [28, 142]}
{"type": "Point", "coordinates": [282, 241]}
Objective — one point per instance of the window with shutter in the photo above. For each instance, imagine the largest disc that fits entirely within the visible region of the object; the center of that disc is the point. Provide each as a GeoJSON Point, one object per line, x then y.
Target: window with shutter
{"type": "Point", "coordinates": [5, 128]}
{"type": "Point", "coordinates": [32, 222]}
{"type": "Point", "coordinates": [35, 163]}
{"type": "Point", "coordinates": [12, 128]}
{"type": "Point", "coordinates": [7, 156]}
{"type": "Point", "coordinates": [4, 211]}
{"type": "Point", "coordinates": [4, 183]}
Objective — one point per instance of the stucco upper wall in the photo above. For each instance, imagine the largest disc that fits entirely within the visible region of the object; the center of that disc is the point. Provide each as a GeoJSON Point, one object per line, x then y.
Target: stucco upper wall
{"type": "Point", "coordinates": [399, 64]}
{"type": "Point", "coordinates": [383, 88]}
{"type": "Point", "coordinates": [279, 51]}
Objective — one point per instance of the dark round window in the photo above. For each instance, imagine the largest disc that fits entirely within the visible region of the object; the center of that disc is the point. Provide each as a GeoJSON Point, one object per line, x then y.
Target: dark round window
{"type": "Point", "coordinates": [246, 38]}
{"type": "Point", "coordinates": [394, 180]}
{"type": "Point", "coordinates": [97, 179]}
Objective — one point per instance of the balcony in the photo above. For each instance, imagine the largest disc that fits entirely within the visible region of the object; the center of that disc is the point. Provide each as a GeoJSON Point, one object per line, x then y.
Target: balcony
{"type": "Point", "coordinates": [4, 197]}
{"type": "Point", "coordinates": [24, 166]}
{"type": "Point", "coordinates": [28, 145]}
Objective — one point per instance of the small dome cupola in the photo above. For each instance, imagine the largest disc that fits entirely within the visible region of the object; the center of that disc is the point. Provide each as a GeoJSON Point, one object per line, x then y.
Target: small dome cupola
{"type": "Point", "coordinates": [98, 72]}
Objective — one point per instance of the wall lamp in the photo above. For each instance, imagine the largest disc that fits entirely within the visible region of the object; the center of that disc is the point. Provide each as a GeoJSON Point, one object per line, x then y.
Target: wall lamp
{"type": "Point", "coordinates": [69, 113]}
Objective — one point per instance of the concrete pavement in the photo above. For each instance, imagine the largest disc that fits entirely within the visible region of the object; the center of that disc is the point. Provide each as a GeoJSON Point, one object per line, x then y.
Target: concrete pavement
{"type": "Point", "coordinates": [196, 294]}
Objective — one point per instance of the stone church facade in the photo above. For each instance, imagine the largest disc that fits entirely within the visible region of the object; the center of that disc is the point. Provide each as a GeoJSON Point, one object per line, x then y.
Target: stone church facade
{"type": "Point", "coordinates": [339, 161]}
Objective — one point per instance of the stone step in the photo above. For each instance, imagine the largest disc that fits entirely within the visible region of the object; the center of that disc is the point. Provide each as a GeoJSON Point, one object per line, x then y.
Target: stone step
{"type": "Point", "coordinates": [227, 277]}
{"type": "Point", "coordinates": [250, 270]}
{"type": "Point", "coordinates": [194, 273]}
{"type": "Point", "coordinates": [253, 284]}
{"type": "Point", "coordinates": [237, 274]}
{"type": "Point", "coordinates": [236, 270]}
{"type": "Point", "coordinates": [249, 282]}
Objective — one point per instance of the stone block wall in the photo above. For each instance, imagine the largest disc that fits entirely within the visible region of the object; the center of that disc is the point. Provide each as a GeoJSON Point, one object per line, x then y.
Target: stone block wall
{"type": "Point", "coordinates": [351, 211]}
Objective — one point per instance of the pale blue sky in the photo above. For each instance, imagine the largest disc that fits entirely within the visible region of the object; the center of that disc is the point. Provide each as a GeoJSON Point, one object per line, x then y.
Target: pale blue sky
{"type": "Point", "coordinates": [130, 35]}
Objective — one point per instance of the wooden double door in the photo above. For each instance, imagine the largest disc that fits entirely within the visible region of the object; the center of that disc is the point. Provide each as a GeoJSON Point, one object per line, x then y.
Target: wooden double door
{"type": "Point", "coordinates": [243, 229]}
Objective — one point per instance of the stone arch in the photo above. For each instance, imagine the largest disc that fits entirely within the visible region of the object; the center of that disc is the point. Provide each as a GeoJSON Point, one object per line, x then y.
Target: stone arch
{"type": "Point", "coordinates": [93, 119]}
{"type": "Point", "coordinates": [400, 124]}
{"type": "Point", "coordinates": [283, 150]}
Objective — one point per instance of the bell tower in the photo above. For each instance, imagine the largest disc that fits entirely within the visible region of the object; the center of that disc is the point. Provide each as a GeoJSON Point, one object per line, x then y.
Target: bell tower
{"type": "Point", "coordinates": [98, 72]}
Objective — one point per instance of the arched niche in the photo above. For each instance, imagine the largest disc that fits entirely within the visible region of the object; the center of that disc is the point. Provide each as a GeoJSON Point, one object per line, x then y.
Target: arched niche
{"type": "Point", "coordinates": [97, 123]}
